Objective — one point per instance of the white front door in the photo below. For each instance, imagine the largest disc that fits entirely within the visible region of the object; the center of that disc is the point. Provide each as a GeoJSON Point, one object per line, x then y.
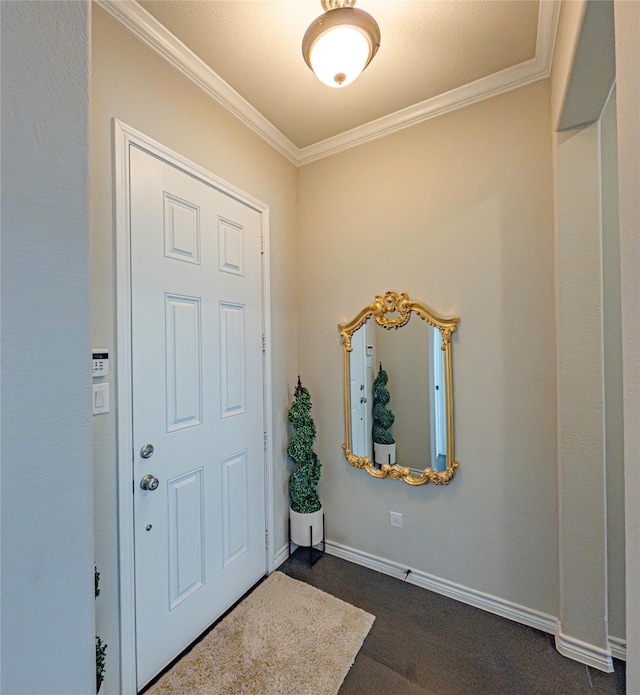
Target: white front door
{"type": "Point", "coordinates": [438, 401]}
{"type": "Point", "coordinates": [357, 371]}
{"type": "Point", "coordinates": [361, 383]}
{"type": "Point", "coordinates": [197, 381]}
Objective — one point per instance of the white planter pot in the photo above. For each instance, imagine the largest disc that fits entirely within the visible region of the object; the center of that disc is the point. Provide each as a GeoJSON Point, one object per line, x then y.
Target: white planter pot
{"type": "Point", "coordinates": [300, 524]}
{"type": "Point", "coordinates": [384, 453]}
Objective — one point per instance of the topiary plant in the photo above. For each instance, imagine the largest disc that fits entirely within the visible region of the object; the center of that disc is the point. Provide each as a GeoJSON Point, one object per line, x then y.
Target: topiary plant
{"type": "Point", "coordinates": [101, 647]}
{"type": "Point", "coordinates": [304, 480]}
{"type": "Point", "coordinates": [101, 657]}
{"type": "Point", "coordinates": [382, 417]}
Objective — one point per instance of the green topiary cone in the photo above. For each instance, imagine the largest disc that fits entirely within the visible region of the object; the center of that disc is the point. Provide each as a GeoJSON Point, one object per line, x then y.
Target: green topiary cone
{"type": "Point", "coordinates": [382, 417]}
{"type": "Point", "coordinates": [304, 480]}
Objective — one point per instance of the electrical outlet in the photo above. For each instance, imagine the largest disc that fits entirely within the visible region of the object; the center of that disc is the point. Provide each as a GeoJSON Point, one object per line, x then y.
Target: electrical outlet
{"type": "Point", "coordinates": [395, 519]}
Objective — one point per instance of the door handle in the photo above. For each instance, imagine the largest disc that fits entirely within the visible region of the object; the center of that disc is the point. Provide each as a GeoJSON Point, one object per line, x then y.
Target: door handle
{"type": "Point", "coordinates": [363, 399]}
{"type": "Point", "coordinates": [149, 482]}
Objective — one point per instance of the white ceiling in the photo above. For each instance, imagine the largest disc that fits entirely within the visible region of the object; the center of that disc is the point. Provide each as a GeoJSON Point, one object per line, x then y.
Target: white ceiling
{"type": "Point", "coordinates": [435, 55]}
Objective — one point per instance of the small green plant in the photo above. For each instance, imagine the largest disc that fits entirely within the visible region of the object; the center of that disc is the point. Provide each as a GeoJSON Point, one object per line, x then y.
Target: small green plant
{"type": "Point", "coordinates": [101, 647]}
{"type": "Point", "coordinates": [382, 417]}
{"type": "Point", "coordinates": [101, 656]}
{"type": "Point", "coordinates": [304, 480]}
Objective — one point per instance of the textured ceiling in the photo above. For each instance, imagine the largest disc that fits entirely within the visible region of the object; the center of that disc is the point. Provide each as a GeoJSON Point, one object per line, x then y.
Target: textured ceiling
{"type": "Point", "coordinates": [428, 48]}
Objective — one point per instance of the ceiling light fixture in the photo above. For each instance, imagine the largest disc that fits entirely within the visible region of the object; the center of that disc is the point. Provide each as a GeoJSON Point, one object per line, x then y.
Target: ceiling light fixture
{"type": "Point", "coordinates": [340, 44]}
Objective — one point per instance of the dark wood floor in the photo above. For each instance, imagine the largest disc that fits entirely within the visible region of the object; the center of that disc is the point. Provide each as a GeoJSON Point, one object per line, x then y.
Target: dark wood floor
{"type": "Point", "coordinates": [422, 643]}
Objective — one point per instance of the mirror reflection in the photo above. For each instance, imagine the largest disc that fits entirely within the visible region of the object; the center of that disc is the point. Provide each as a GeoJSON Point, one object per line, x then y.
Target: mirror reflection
{"type": "Point", "coordinates": [413, 363]}
{"type": "Point", "coordinates": [398, 391]}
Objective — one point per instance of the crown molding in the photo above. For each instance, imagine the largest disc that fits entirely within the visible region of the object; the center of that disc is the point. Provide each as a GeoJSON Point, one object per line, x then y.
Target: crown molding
{"type": "Point", "coordinates": [492, 85]}
{"type": "Point", "coordinates": [532, 70]}
{"type": "Point", "coordinates": [548, 18]}
{"type": "Point", "coordinates": [154, 35]}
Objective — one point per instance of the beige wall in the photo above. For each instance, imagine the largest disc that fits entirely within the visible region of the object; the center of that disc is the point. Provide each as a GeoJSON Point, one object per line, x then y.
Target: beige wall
{"type": "Point", "coordinates": [581, 407]}
{"type": "Point", "coordinates": [456, 211]}
{"type": "Point", "coordinates": [131, 83]}
{"type": "Point", "coordinates": [612, 326]}
{"type": "Point", "coordinates": [627, 29]}
{"type": "Point", "coordinates": [590, 484]}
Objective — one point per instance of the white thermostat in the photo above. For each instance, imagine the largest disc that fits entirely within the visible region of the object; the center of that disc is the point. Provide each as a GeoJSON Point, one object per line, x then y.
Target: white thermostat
{"type": "Point", "coordinates": [99, 362]}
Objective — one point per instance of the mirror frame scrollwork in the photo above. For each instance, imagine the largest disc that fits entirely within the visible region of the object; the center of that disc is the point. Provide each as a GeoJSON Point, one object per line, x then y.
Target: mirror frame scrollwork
{"type": "Point", "coordinates": [401, 307]}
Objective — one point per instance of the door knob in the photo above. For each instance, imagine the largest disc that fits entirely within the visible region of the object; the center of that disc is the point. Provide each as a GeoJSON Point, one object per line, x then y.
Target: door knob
{"type": "Point", "coordinates": [149, 482]}
{"type": "Point", "coordinates": [363, 399]}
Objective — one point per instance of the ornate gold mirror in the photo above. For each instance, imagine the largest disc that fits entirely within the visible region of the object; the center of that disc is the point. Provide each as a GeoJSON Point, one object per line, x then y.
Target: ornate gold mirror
{"type": "Point", "coordinates": [398, 391]}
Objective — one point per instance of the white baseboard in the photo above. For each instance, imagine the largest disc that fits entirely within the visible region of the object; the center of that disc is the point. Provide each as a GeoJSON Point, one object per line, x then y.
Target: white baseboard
{"type": "Point", "coordinates": [280, 556]}
{"type": "Point", "coordinates": [574, 649]}
{"type": "Point", "coordinates": [583, 652]}
{"type": "Point", "coordinates": [618, 647]}
{"type": "Point", "coordinates": [492, 604]}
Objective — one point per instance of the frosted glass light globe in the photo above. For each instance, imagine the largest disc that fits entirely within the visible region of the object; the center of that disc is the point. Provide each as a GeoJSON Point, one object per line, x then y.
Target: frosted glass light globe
{"type": "Point", "coordinates": [340, 55]}
{"type": "Point", "coordinates": [340, 44]}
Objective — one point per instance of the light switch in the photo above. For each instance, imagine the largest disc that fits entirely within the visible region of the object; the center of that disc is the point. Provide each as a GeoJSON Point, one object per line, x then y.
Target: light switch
{"type": "Point", "coordinates": [100, 399]}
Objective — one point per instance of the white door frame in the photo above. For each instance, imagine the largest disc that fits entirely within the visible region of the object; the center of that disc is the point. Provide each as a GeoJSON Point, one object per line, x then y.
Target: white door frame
{"type": "Point", "coordinates": [123, 137]}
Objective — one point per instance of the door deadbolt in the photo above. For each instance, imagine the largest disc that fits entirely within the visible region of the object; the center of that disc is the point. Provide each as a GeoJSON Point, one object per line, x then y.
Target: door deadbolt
{"type": "Point", "coordinates": [147, 451]}
{"type": "Point", "coordinates": [149, 482]}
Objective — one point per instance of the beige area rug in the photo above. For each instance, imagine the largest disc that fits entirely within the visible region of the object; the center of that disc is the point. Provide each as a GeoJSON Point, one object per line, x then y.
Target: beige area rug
{"type": "Point", "coordinates": [285, 638]}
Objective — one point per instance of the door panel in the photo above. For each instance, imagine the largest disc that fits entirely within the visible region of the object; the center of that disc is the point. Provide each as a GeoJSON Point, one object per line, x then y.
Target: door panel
{"type": "Point", "coordinates": [235, 500]}
{"type": "Point", "coordinates": [231, 245]}
{"type": "Point", "coordinates": [181, 229]}
{"type": "Point", "coordinates": [183, 342]}
{"type": "Point", "coordinates": [232, 359]}
{"type": "Point", "coordinates": [186, 536]}
{"type": "Point", "coordinates": [197, 387]}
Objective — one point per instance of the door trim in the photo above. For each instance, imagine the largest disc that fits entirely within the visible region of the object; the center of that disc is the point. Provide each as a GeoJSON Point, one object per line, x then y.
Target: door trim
{"type": "Point", "coordinates": [123, 138]}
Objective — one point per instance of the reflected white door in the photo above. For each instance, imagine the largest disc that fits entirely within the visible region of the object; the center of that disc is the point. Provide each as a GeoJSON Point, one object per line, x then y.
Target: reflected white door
{"type": "Point", "coordinates": [359, 401]}
{"type": "Point", "coordinates": [369, 362]}
{"type": "Point", "coordinates": [439, 417]}
{"type": "Point", "coordinates": [197, 399]}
